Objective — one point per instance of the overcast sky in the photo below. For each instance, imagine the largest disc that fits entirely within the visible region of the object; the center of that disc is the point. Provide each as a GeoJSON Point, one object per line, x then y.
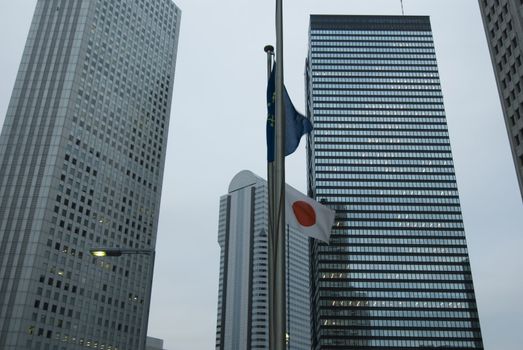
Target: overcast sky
{"type": "Point", "coordinates": [218, 125]}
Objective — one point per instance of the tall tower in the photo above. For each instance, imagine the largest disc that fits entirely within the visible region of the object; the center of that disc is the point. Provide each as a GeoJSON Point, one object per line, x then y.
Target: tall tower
{"type": "Point", "coordinates": [396, 273]}
{"type": "Point", "coordinates": [82, 154]}
{"type": "Point", "coordinates": [243, 295]}
{"type": "Point", "coordinates": [503, 22]}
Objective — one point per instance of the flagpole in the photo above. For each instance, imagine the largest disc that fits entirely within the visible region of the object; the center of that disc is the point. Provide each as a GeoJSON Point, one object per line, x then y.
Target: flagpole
{"type": "Point", "coordinates": [269, 50]}
{"type": "Point", "coordinates": [277, 309]}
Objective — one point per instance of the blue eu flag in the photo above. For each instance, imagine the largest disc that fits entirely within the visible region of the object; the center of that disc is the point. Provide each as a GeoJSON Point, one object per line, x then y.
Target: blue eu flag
{"type": "Point", "coordinates": [296, 125]}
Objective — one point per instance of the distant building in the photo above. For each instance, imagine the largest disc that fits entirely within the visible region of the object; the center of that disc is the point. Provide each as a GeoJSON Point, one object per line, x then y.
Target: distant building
{"type": "Point", "coordinates": [396, 274]}
{"type": "Point", "coordinates": [243, 291]}
{"type": "Point", "coordinates": [82, 153]}
{"type": "Point", "coordinates": [154, 344]}
{"type": "Point", "coordinates": [503, 22]}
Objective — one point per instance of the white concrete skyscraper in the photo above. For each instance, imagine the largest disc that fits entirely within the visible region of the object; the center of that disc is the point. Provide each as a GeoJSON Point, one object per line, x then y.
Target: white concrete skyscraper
{"type": "Point", "coordinates": [82, 154]}
{"type": "Point", "coordinates": [243, 321]}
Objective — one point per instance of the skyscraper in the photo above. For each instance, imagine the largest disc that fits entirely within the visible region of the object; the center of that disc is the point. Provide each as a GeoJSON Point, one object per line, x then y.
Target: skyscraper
{"type": "Point", "coordinates": [154, 344]}
{"type": "Point", "coordinates": [396, 273]}
{"type": "Point", "coordinates": [82, 154]}
{"type": "Point", "coordinates": [243, 295]}
{"type": "Point", "coordinates": [503, 22]}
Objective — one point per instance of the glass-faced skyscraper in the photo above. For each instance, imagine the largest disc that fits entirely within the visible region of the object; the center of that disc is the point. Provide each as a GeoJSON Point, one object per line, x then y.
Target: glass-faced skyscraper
{"type": "Point", "coordinates": [396, 273]}
{"type": "Point", "coordinates": [82, 154]}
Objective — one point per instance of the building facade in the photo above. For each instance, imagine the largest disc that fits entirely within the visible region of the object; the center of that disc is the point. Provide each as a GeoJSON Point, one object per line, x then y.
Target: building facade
{"type": "Point", "coordinates": [82, 154]}
{"type": "Point", "coordinates": [503, 23]}
{"type": "Point", "coordinates": [154, 344]}
{"type": "Point", "coordinates": [242, 322]}
{"type": "Point", "coordinates": [396, 274]}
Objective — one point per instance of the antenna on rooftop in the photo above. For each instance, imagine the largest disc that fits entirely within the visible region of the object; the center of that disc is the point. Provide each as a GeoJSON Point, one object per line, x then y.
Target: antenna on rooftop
{"type": "Point", "coordinates": [402, 10]}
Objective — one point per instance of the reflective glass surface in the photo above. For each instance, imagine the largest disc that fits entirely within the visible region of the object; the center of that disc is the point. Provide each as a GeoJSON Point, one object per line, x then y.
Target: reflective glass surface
{"type": "Point", "coordinates": [396, 273]}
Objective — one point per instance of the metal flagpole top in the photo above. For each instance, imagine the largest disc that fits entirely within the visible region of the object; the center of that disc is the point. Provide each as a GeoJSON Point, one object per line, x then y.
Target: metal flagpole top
{"type": "Point", "coordinates": [269, 49]}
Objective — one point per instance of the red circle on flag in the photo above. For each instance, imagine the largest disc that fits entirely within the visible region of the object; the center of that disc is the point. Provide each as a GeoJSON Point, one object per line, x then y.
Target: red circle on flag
{"type": "Point", "coordinates": [305, 213]}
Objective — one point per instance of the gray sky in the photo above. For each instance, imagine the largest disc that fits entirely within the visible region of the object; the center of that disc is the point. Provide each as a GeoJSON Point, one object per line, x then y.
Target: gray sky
{"type": "Point", "coordinates": [218, 128]}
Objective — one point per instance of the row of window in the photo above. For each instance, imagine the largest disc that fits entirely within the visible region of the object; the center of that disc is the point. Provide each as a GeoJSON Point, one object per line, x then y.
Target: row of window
{"type": "Point", "coordinates": [401, 34]}
{"type": "Point", "coordinates": [375, 38]}
{"type": "Point", "coordinates": [341, 150]}
{"type": "Point", "coordinates": [397, 205]}
{"type": "Point", "coordinates": [428, 164]}
{"type": "Point", "coordinates": [389, 57]}
{"type": "Point", "coordinates": [370, 115]}
{"type": "Point", "coordinates": [362, 63]}
{"type": "Point", "coordinates": [65, 338]}
{"type": "Point", "coordinates": [419, 296]}
{"type": "Point", "coordinates": [320, 66]}
{"type": "Point", "coordinates": [394, 136]}
{"type": "Point", "coordinates": [367, 183]}
{"type": "Point", "coordinates": [416, 276]}
{"type": "Point", "coordinates": [347, 257]}
{"type": "Point", "coordinates": [409, 324]}
{"type": "Point", "coordinates": [402, 54]}
{"type": "Point", "coordinates": [386, 49]}
{"type": "Point", "coordinates": [411, 333]}
{"type": "Point", "coordinates": [381, 93]}
{"type": "Point", "coordinates": [401, 88]}
{"type": "Point", "coordinates": [379, 99]}
{"type": "Point", "coordinates": [373, 126]}
{"type": "Point", "coordinates": [386, 192]}
{"type": "Point", "coordinates": [331, 289]}
{"type": "Point", "coordinates": [377, 154]}
{"type": "Point", "coordinates": [393, 303]}
{"type": "Point", "coordinates": [356, 344]}
{"type": "Point", "coordinates": [432, 135]}
{"type": "Point", "coordinates": [453, 300]}
{"type": "Point", "coordinates": [397, 209]}
{"type": "Point", "coordinates": [324, 167]}
{"type": "Point", "coordinates": [405, 241]}
{"type": "Point", "coordinates": [382, 145]}
{"type": "Point", "coordinates": [345, 177]}
{"type": "Point", "coordinates": [332, 78]}
{"type": "Point", "coordinates": [412, 268]}
{"type": "Point", "coordinates": [405, 250]}
{"type": "Point", "coordinates": [336, 200]}
{"type": "Point", "coordinates": [347, 234]}
{"type": "Point", "coordinates": [361, 223]}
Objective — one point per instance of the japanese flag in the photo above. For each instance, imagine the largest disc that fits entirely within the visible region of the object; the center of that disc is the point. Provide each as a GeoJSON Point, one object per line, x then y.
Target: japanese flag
{"type": "Point", "coordinates": [308, 216]}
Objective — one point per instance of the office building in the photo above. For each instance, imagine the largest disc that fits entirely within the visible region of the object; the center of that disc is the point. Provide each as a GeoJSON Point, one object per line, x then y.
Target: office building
{"type": "Point", "coordinates": [503, 22]}
{"type": "Point", "coordinates": [396, 274]}
{"type": "Point", "coordinates": [82, 154]}
{"type": "Point", "coordinates": [242, 322]}
{"type": "Point", "coordinates": [154, 344]}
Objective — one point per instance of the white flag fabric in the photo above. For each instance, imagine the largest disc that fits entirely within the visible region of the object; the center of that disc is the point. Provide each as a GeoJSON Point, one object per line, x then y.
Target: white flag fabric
{"type": "Point", "coordinates": [308, 216]}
